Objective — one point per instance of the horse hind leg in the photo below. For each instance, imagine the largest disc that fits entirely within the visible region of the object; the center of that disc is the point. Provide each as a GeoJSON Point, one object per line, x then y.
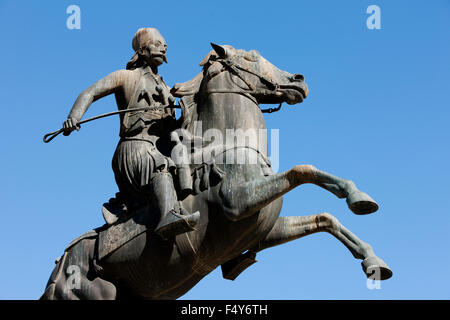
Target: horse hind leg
{"type": "Point", "coordinates": [290, 228]}
{"type": "Point", "coordinates": [75, 277]}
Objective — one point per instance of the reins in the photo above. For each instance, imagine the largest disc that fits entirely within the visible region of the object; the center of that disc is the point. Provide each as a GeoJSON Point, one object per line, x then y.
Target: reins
{"type": "Point", "coordinates": [234, 68]}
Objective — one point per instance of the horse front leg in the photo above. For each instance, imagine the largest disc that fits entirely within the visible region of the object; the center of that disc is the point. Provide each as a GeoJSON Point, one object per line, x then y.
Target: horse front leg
{"type": "Point", "coordinates": [241, 200]}
{"type": "Point", "coordinates": [358, 201]}
{"type": "Point", "coordinates": [291, 228]}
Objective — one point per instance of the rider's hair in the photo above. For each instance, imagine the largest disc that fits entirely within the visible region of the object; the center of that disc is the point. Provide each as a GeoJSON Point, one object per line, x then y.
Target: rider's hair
{"type": "Point", "coordinates": [142, 37]}
{"type": "Point", "coordinates": [135, 62]}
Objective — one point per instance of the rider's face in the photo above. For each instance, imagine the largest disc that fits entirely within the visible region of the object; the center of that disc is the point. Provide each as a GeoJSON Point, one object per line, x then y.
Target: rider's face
{"type": "Point", "coordinates": [155, 52]}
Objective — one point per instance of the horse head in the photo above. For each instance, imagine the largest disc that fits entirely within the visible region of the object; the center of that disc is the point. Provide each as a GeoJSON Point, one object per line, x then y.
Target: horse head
{"type": "Point", "coordinates": [251, 74]}
{"type": "Point", "coordinates": [240, 73]}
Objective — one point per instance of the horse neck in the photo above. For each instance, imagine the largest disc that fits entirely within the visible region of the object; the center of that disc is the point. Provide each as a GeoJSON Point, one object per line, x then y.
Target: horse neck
{"type": "Point", "coordinates": [230, 110]}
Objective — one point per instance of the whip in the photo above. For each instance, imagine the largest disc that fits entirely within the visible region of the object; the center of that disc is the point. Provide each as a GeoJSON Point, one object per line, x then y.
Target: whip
{"type": "Point", "coordinates": [50, 136]}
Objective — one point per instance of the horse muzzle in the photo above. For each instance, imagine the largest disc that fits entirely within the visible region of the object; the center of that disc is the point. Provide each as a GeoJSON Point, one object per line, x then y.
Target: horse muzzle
{"type": "Point", "coordinates": [294, 92]}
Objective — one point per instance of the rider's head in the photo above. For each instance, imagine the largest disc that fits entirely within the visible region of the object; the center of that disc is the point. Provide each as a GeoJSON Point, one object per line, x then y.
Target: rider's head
{"type": "Point", "coordinates": [150, 48]}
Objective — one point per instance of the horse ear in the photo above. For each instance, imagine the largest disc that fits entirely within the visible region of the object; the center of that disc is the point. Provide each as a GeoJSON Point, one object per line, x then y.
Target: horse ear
{"type": "Point", "coordinates": [220, 50]}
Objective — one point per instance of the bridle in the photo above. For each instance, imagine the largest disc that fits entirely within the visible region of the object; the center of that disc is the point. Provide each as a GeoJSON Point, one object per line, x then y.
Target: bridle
{"type": "Point", "coordinates": [238, 70]}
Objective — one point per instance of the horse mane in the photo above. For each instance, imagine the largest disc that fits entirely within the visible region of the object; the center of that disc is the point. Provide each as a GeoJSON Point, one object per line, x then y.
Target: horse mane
{"type": "Point", "coordinates": [192, 86]}
{"type": "Point", "coordinates": [188, 91]}
{"type": "Point", "coordinates": [187, 88]}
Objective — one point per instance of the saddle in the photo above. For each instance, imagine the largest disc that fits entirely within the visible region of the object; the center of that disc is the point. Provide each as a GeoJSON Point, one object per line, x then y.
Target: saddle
{"type": "Point", "coordinates": [124, 223]}
{"type": "Point", "coordinates": [122, 227]}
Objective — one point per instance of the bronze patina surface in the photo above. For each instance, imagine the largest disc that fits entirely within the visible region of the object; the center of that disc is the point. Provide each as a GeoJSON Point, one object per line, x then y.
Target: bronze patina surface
{"type": "Point", "coordinates": [173, 222]}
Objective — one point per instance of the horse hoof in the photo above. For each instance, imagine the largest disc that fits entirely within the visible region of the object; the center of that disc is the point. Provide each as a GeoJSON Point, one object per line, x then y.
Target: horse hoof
{"type": "Point", "coordinates": [376, 269]}
{"type": "Point", "coordinates": [361, 203]}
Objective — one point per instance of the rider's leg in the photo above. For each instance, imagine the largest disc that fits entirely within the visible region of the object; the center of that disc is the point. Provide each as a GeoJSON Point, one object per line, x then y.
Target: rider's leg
{"type": "Point", "coordinates": [174, 219]}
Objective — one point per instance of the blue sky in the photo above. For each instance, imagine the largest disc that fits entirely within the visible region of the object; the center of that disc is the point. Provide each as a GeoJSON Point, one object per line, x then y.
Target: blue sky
{"type": "Point", "coordinates": [377, 113]}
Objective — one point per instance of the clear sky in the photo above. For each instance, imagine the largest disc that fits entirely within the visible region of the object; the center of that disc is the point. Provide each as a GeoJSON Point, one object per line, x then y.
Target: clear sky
{"type": "Point", "coordinates": [377, 113]}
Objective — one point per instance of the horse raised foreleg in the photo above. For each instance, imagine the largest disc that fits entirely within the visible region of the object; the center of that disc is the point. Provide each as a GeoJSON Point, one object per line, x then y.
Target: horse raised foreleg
{"type": "Point", "coordinates": [291, 228]}
{"type": "Point", "coordinates": [241, 200]}
{"type": "Point", "coordinates": [359, 202]}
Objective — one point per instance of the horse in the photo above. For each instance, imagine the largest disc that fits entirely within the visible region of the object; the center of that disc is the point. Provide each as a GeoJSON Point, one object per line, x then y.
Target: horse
{"type": "Point", "coordinates": [239, 202]}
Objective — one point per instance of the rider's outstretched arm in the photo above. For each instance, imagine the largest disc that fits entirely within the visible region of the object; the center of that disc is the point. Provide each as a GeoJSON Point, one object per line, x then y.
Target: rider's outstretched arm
{"type": "Point", "coordinates": [109, 84]}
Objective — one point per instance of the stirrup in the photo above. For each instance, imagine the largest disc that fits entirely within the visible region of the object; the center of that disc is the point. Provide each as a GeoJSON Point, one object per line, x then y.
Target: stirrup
{"type": "Point", "coordinates": [174, 224]}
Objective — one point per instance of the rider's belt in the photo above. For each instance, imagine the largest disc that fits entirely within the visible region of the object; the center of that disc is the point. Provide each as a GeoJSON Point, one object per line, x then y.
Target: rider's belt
{"type": "Point", "coordinates": [138, 137]}
{"type": "Point", "coordinates": [135, 122]}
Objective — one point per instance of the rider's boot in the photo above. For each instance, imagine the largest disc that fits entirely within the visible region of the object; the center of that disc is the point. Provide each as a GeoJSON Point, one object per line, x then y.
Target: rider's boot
{"type": "Point", "coordinates": [174, 219]}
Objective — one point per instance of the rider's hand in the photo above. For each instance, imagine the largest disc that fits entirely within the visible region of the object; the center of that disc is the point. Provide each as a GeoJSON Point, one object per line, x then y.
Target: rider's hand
{"type": "Point", "coordinates": [69, 125]}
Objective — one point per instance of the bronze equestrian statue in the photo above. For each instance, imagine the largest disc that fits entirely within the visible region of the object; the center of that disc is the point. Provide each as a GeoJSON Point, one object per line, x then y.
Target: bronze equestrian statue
{"type": "Point", "coordinates": [218, 212]}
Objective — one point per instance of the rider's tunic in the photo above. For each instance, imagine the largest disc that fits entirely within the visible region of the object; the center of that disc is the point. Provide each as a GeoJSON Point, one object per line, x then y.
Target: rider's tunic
{"type": "Point", "coordinates": [137, 157]}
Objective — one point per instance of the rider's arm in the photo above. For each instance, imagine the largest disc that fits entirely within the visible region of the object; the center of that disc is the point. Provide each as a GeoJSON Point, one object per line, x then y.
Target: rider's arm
{"type": "Point", "coordinates": [100, 89]}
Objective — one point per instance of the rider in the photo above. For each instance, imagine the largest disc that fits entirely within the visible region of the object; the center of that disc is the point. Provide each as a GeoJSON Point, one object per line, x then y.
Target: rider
{"type": "Point", "coordinates": [141, 170]}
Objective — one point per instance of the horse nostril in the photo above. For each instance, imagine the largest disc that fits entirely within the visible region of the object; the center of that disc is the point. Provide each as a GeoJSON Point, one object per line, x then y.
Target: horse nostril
{"type": "Point", "coordinates": [298, 77]}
